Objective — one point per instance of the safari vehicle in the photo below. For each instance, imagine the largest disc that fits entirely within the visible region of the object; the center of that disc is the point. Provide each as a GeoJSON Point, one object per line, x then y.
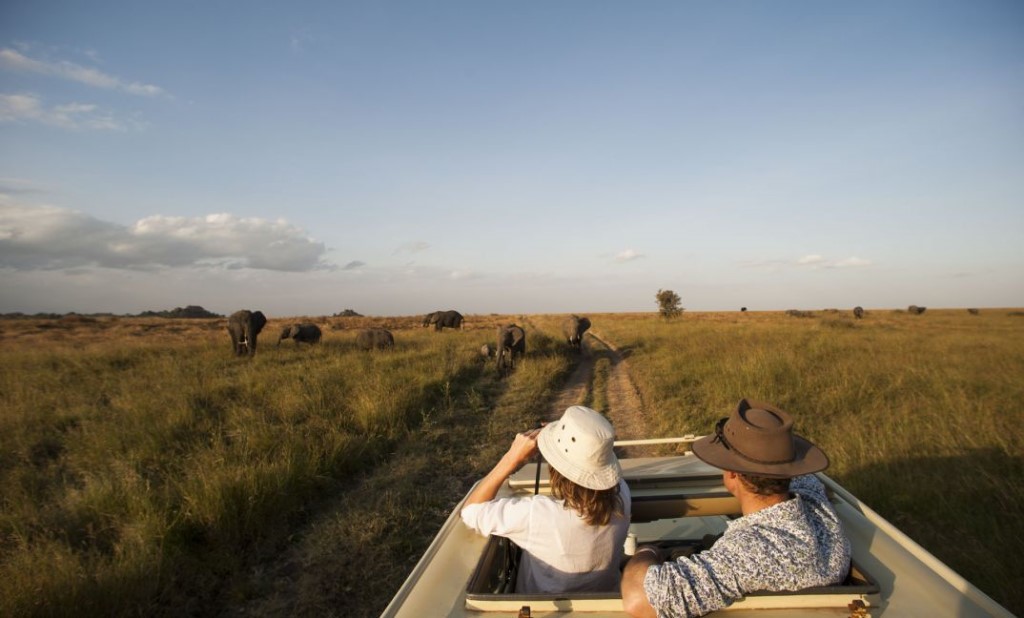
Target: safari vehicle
{"type": "Point", "coordinates": [677, 502]}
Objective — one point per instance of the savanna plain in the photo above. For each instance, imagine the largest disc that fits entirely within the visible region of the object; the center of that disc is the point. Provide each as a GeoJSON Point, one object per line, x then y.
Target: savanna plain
{"type": "Point", "coordinates": [145, 470]}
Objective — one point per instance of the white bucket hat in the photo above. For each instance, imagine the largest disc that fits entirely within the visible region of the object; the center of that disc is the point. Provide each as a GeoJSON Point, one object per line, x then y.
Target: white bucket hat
{"type": "Point", "coordinates": [579, 446]}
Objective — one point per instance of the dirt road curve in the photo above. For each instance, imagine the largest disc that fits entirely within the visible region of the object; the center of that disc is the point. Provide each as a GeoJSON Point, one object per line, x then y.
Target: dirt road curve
{"type": "Point", "coordinates": [623, 405]}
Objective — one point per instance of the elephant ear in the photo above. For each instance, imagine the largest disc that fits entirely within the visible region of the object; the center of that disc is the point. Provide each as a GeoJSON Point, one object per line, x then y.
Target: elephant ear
{"type": "Point", "coordinates": [259, 320]}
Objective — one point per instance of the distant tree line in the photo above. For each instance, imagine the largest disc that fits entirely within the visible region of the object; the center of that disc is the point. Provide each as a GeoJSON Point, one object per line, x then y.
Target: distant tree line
{"type": "Point", "coordinates": [191, 311]}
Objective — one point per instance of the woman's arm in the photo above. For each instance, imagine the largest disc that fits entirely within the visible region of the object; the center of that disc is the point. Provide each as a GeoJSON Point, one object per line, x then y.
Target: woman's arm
{"type": "Point", "coordinates": [523, 447]}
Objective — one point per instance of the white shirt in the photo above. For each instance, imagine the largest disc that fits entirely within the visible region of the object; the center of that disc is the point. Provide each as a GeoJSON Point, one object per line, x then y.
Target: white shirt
{"type": "Point", "coordinates": [561, 551]}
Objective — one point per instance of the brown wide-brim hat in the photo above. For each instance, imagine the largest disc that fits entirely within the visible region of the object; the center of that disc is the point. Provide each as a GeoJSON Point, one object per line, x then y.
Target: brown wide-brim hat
{"type": "Point", "coordinates": [757, 439]}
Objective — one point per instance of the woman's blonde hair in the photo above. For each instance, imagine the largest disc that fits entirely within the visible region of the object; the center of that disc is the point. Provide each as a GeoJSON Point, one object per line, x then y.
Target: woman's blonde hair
{"type": "Point", "coordinates": [596, 506]}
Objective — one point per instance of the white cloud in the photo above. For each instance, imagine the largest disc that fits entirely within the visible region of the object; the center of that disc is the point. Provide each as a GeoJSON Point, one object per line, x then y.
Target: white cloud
{"type": "Point", "coordinates": [818, 261]}
{"type": "Point", "coordinates": [15, 60]}
{"type": "Point", "coordinates": [627, 256]}
{"type": "Point", "coordinates": [414, 246]}
{"type": "Point", "coordinates": [811, 260]}
{"type": "Point", "coordinates": [29, 107]}
{"type": "Point", "coordinates": [852, 262]}
{"type": "Point", "coordinates": [354, 264]}
{"type": "Point", "coordinates": [47, 238]}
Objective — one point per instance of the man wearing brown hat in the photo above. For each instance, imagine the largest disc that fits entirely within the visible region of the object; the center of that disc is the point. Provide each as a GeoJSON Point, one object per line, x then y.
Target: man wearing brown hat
{"type": "Point", "coordinates": [789, 537]}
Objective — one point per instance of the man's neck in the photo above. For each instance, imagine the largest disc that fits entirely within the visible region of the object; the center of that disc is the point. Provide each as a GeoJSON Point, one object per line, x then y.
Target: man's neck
{"type": "Point", "coordinates": [752, 503]}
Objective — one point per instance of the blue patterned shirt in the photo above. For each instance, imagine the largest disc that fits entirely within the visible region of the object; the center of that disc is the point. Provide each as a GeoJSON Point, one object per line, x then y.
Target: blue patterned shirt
{"type": "Point", "coordinates": [789, 546]}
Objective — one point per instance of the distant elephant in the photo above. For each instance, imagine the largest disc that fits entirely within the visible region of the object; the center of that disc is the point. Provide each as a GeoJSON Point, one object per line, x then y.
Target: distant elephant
{"type": "Point", "coordinates": [375, 339]}
{"type": "Point", "coordinates": [430, 318]}
{"type": "Point", "coordinates": [858, 312]}
{"type": "Point", "coordinates": [301, 333]}
{"type": "Point", "coordinates": [443, 319]}
{"type": "Point", "coordinates": [573, 328]}
{"type": "Point", "coordinates": [915, 310]}
{"type": "Point", "coordinates": [973, 311]}
{"type": "Point", "coordinates": [511, 343]}
{"type": "Point", "coordinates": [244, 326]}
{"type": "Point", "coordinates": [743, 309]}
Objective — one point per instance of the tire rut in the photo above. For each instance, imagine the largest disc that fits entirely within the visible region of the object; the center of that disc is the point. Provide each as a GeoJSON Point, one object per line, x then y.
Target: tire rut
{"type": "Point", "coordinates": [622, 403]}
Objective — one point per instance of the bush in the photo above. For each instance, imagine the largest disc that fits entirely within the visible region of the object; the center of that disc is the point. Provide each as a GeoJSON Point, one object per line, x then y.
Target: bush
{"type": "Point", "coordinates": [668, 303]}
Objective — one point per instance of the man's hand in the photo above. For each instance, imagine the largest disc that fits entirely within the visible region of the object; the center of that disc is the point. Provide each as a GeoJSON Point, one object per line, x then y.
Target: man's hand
{"type": "Point", "coordinates": [634, 598]}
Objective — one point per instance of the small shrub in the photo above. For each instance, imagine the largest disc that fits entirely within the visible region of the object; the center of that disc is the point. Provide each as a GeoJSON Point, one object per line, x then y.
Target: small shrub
{"type": "Point", "coordinates": [668, 303]}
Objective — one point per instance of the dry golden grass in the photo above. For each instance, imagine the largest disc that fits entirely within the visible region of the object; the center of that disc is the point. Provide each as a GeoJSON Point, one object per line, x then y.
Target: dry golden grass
{"type": "Point", "coordinates": [922, 415]}
{"type": "Point", "coordinates": [145, 470]}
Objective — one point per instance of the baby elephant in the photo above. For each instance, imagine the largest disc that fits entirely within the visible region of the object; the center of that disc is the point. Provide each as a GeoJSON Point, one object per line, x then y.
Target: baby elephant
{"type": "Point", "coordinates": [301, 333]}
{"type": "Point", "coordinates": [375, 339]}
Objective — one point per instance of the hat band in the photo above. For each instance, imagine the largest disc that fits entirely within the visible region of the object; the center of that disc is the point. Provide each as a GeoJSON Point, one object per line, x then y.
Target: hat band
{"type": "Point", "coordinates": [720, 437]}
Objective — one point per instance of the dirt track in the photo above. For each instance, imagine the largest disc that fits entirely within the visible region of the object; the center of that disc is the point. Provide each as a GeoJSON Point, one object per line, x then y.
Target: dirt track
{"type": "Point", "coordinates": [624, 407]}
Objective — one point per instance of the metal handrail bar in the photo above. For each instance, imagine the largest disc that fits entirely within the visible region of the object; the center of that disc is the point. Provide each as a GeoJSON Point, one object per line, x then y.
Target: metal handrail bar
{"type": "Point", "coordinates": [688, 438]}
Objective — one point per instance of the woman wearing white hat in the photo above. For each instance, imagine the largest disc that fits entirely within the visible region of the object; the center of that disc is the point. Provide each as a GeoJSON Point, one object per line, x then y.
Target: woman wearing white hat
{"type": "Point", "coordinates": [572, 540]}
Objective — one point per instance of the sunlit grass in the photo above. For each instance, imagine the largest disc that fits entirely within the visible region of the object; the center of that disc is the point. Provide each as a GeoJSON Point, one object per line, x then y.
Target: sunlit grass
{"type": "Point", "coordinates": [144, 470]}
{"type": "Point", "coordinates": [168, 457]}
{"type": "Point", "coordinates": [920, 415]}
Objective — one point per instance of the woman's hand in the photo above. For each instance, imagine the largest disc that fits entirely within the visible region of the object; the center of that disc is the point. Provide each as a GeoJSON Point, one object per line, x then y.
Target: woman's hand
{"type": "Point", "coordinates": [523, 447]}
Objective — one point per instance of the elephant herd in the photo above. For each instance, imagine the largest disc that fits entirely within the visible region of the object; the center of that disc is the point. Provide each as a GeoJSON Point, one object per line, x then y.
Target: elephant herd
{"type": "Point", "coordinates": [245, 326]}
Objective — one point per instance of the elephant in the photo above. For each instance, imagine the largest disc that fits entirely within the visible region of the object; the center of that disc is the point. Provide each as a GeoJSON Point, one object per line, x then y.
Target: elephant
{"type": "Point", "coordinates": [973, 311]}
{"type": "Point", "coordinates": [443, 319]}
{"type": "Point", "coordinates": [743, 309]}
{"type": "Point", "coordinates": [573, 328]}
{"type": "Point", "coordinates": [511, 343]}
{"type": "Point", "coordinates": [301, 333]}
{"type": "Point", "coordinates": [858, 312]}
{"type": "Point", "coordinates": [244, 326]}
{"type": "Point", "coordinates": [486, 351]}
{"type": "Point", "coordinates": [915, 310]}
{"type": "Point", "coordinates": [375, 338]}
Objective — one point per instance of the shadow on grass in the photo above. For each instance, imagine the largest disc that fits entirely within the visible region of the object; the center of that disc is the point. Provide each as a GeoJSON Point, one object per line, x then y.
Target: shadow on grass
{"type": "Point", "coordinates": [966, 510]}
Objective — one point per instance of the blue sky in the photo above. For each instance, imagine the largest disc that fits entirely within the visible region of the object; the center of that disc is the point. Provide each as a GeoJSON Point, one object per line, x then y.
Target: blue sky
{"type": "Point", "coordinates": [396, 158]}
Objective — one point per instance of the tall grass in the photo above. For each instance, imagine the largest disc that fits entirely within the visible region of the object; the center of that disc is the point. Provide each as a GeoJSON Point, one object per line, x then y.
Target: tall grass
{"type": "Point", "coordinates": [136, 476]}
{"type": "Point", "coordinates": [922, 416]}
{"type": "Point", "coordinates": [144, 470]}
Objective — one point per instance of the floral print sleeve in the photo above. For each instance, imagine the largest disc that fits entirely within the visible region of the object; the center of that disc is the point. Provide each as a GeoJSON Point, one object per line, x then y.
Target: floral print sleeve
{"type": "Point", "coordinates": [790, 546]}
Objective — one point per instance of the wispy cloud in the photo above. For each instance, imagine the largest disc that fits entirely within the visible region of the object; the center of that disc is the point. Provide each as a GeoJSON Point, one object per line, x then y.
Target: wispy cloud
{"type": "Point", "coordinates": [415, 246]}
{"type": "Point", "coordinates": [78, 116]}
{"type": "Point", "coordinates": [818, 261]}
{"type": "Point", "coordinates": [628, 255]}
{"type": "Point", "coordinates": [17, 186]}
{"type": "Point", "coordinates": [852, 262]}
{"type": "Point", "coordinates": [354, 264]}
{"type": "Point", "coordinates": [15, 60]}
{"type": "Point", "coordinates": [300, 39]}
{"type": "Point", "coordinates": [50, 238]}
{"type": "Point", "coordinates": [811, 260]}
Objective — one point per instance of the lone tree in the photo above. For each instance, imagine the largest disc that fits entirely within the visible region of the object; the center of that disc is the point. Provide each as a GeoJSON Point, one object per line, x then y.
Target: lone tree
{"type": "Point", "coordinates": [668, 303]}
